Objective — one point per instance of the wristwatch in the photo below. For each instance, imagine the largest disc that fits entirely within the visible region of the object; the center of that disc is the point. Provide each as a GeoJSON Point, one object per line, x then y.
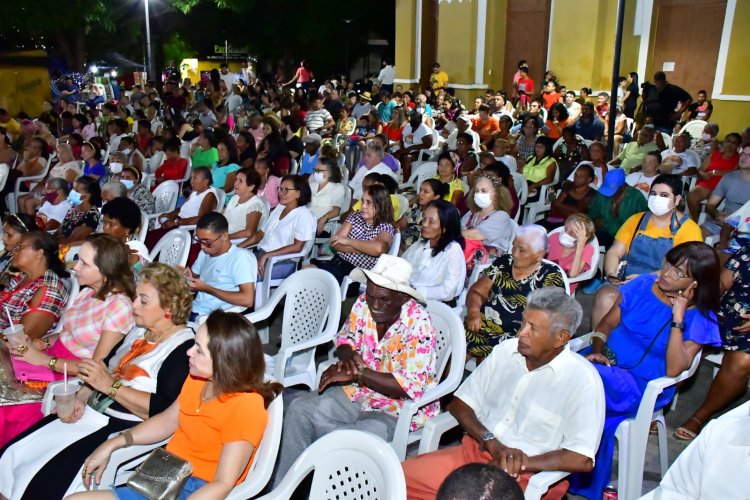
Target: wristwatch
{"type": "Point", "coordinates": [680, 325]}
{"type": "Point", "coordinates": [487, 436]}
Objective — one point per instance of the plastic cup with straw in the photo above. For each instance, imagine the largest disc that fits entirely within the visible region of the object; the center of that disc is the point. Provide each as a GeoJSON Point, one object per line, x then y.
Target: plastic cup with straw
{"type": "Point", "coordinates": [65, 396]}
{"type": "Point", "coordinates": [15, 332]}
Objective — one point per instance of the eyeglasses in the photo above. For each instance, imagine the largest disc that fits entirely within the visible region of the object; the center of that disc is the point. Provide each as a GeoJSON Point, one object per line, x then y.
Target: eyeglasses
{"type": "Point", "coordinates": [19, 246]}
{"type": "Point", "coordinates": [321, 170]}
{"type": "Point", "coordinates": [206, 243]}
{"type": "Point", "coordinates": [285, 190]}
{"type": "Point", "coordinates": [676, 271]}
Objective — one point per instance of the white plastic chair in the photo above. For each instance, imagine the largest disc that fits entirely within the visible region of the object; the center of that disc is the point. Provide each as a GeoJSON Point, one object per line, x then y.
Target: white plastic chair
{"type": "Point", "coordinates": [143, 229]}
{"type": "Point", "coordinates": [73, 288]}
{"type": "Point", "coordinates": [155, 161]}
{"type": "Point", "coordinates": [173, 248]}
{"type": "Point", "coordinates": [694, 128]}
{"type": "Point", "coordinates": [312, 311]}
{"type": "Point", "coordinates": [165, 199]}
{"type": "Point", "coordinates": [346, 464]}
{"type": "Point", "coordinates": [587, 275]}
{"type": "Point", "coordinates": [4, 171]}
{"type": "Point", "coordinates": [428, 154]}
{"type": "Point", "coordinates": [263, 289]}
{"type": "Point", "coordinates": [424, 171]}
{"type": "Point", "coordinates": [11, 199]}
{"type": "Point", "coordinates": [392, 250]}
{"type": "Point", "coordinates": [632, 434]}
{"type": "Point", "coordinates": [188, 171]}
{"type": "Point", "coordinates": [403, 206]}
{"type": "Point", "coordinates": [535, 210]}
{"type": "Point", "coordinates": [293, 167]}
{"type": "Point", "coordinates": [522, 189]}
{"type": "Point", "coordinates": [436, 427]}
{"type": "Point", "coordinates": [124, 461]}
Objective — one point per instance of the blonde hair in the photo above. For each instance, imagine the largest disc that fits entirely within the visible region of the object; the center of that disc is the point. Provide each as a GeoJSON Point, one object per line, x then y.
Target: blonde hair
{"type": "Point", "coordinates": [503, 199]}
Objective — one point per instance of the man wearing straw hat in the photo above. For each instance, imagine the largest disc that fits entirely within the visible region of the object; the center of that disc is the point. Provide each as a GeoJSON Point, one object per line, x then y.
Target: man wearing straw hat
{"type": "Point", "coordinates": [386, 352]}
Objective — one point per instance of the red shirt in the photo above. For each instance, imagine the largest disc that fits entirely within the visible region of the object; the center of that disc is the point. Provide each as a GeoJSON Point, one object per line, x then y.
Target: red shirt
{"type": "Point", "coordinates": [718, 162]}
{"type": "Point", "coordinates": [172, 170]}
{"type": "Point", "coordinates": [550, 99]}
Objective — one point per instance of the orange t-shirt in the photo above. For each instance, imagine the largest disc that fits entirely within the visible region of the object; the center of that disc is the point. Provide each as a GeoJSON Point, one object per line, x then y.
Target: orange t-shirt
{"type": "Point", "coordinates": [550, 99]}
{"type": "Point", "coordinates": [486, 129]}
{"type": "Point", "coordinates": [204, 429]}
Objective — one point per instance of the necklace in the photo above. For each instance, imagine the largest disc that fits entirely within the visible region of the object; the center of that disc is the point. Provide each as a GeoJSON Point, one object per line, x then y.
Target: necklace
{"type": "Point", "coordinates": [160, 336]}
{"type": "Point", "coordinates": [203, 398]}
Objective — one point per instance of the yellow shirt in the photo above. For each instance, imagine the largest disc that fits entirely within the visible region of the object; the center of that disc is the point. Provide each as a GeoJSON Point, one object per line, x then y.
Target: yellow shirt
{"type": "Point", "coordinates": [536, 171]}
{"type": "Point", "coordinates": [394, 201]}
{"type": "Point", "coordinates": [453, 186]}
{"type": "Point", "coordinates": [689, 231]}
{"type": "Point", "coordinates": [439, 80]}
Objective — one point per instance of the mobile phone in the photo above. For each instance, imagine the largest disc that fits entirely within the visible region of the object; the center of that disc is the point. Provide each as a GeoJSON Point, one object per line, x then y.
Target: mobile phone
{"type": "Point", "coordinates": [620, 273]}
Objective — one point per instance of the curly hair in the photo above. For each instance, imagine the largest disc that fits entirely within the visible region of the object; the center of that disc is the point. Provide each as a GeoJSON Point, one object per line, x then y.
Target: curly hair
{"type": "Point", "coordinates": [174, 293]}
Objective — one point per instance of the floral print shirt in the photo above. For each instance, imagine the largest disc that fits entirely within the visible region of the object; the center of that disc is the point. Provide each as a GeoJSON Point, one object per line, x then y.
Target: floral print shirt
{"type": "Point", "coordinates": [407, 351]}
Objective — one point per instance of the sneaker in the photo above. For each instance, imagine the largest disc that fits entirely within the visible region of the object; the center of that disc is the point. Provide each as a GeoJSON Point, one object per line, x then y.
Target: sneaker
{"type": "Point", "coordinates": [592, 287]}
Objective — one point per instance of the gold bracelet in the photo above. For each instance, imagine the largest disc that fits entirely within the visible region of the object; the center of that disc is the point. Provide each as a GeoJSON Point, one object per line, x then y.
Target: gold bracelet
{"type": "Point", "coordinates": [52, 363]}
{"type": "Point", "coordinates": [114, 388]}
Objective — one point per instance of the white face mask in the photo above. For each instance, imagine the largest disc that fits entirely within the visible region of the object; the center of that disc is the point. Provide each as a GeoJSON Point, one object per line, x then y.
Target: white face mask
{"type": "Point", "coordinates": [317, 178]}
{"type": "Point", "coordinates": [706, 137]}
{"type": "Point", "coordinates": [115, 167]}
{"type": "Point", "coordinates": [126, 151]}
{"type": "Point", "coordinates": [658, 205]}
{"type": "Point", "coordinates": [567, 240]}
{"type": "Point", "coordinates": [483, 200]}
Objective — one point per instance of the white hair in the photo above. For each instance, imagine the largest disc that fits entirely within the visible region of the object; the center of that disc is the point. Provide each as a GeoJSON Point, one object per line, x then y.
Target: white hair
{"type": "Point", "coordinates": [564, 312]}
{"type": "Point", "coordinates": [535, 235]}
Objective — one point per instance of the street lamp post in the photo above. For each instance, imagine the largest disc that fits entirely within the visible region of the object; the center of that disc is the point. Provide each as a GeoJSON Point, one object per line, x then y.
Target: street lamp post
{"type": "Point", "coordinates": [150, 67]}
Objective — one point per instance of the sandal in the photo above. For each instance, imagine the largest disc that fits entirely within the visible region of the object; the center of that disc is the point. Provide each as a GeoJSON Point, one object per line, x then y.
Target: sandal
{"type": "Point", "coordinates": [682, 433]}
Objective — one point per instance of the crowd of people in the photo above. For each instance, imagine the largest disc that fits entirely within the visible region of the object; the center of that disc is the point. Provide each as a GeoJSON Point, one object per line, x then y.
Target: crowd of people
{"type": "Point", "coordinates": [267, 170]}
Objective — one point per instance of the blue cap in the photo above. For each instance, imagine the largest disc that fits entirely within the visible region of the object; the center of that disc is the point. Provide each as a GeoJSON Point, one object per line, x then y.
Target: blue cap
{"type": "Point", "coordinates": [613, 181]}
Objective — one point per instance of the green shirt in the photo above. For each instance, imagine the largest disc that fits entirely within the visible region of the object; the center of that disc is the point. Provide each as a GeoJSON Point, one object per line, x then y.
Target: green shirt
{"type": "Point", "coordinates": [633, 154]}
{"type": "Point", "coordinates": [205, 158]}
{"type": "Point", "coordinates": [632, 203]}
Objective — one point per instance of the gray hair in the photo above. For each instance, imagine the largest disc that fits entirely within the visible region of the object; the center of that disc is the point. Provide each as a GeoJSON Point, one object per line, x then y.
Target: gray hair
{"type": "Point", "coordinates": [536, 235]}
{"type": "Point", "coordinates": [376, 148]}
{"type": "Point", "coordinates": [117, 188]}
{"type": "Point", "coordinates": [565, 313]}
{"type": "Point", "coordinates": [57, 184]}
{"type": "Point", "coordinates": [714, 128]}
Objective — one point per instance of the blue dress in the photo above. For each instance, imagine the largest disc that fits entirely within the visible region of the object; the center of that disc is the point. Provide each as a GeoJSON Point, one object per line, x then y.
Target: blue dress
{"type": "Point", "coordinates": [643, 317]}
{"type": "Point", "coordinates": [735, 302]}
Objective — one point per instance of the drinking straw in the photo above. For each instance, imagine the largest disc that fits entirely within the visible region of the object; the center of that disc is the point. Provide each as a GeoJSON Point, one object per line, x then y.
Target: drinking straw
{"type": "Point", "coordinates": [10, 320]}
{"type": "Point", "coordinates": [65, 375]}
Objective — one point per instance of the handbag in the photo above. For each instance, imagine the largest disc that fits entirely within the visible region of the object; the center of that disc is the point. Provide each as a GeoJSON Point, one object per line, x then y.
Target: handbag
{"type": "Point", "coordinates": [161, 476]}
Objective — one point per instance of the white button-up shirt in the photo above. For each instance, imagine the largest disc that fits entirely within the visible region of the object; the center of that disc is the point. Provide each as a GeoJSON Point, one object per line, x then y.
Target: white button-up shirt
{"type": "Point", "coordinates": [359, 176]}
{"type": "Point", "coordinates": [440, 277]}
{"type": "Point", "coordinates": [557, 406]}
{"type": "Point", "coordinates": [715, 466]}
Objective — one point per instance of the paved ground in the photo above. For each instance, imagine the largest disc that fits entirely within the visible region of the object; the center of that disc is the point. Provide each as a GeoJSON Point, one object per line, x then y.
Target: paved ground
{"type": "Point", "coordinates": [690, 397]}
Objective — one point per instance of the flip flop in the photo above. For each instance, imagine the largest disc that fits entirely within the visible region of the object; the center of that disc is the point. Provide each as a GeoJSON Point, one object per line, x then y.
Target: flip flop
{"type": "Point", "coordinates": [684, 434]}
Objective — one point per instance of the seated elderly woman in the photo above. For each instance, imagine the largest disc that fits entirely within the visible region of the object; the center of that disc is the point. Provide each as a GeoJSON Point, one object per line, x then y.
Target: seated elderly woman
{"type": "Point", "coordinates": [67, 168]}
{"type": "Point", "coordinates": [364, 236]}
{"type": "Point", "coordinates": [113, 189]}
{"type": "Point", "coordinates": [246, 211]}
{"type": "Point", "coordinates": [656, 328]}
{"type": "Point", "coordinates": [202, 200]}
{"type": "Point", "coordinates": [226, 386]}
{"type": "Point", "coordinates": [142, 379]}
{"type": "Point", "coordinates": [570, 249]}
{"type": "Point", "coordinates": [55, 207]}
{"type": "Point", "coordinates": [487, 227]}
{"type": "Point", "coordinates": [131, 178]}
{"type": "Point", "coordinates": [95, 323]}
{"type": "Point", "coordinates": [495, 303]}
{"type": "Point", "coordinates": [14, 227]}
{"type": "Point", "coordinates": [328, 192]}
{"type": "Point", "coordinates": [437, 260]}
{"type": "Point", "coordinates": [122, 219]}
{"type": "Point", "coordinates": [83, 218]}
{"type": "Point", "coordinates": [289, 225]}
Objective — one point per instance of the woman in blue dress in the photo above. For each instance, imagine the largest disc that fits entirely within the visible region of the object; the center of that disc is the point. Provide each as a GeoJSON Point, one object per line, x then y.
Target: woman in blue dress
{"type": "Point", "coordinates": [655, 329]}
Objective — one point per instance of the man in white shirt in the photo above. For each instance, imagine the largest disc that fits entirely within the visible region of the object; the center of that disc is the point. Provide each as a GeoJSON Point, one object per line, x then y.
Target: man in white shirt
{"type": "Point", "coordinates": [533, 405]}
{"type": "Point", "coordinates": [229, 79]}
{"type": "Point", "coordinates": [715, 466]}
{"type": "Point", "coordinates": [386, 77]}
{"type": "Point", "coordinates": [223, 275]}
{"type": "Point", "coordinates": [573, 107]}
{"type": "Point", "coordinates": [415, 137]}
{"type": "Point", "coordinates": [679, 159]}
{"type": "Point", "coordinates": [373, 163]}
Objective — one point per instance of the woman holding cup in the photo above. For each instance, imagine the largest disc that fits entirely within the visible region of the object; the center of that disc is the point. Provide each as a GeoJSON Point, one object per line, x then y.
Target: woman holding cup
{"type": "Point", "coordinates": [151, 365]}
{"type": "Point", "coordinates": [36, 296]}
{"type": "Point", "coordinates": [96, 322]}
{"type": "Point", "coordinates": [14, 226]}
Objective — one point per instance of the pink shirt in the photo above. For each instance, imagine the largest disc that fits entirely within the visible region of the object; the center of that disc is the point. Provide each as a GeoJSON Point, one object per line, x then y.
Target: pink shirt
{"type": "Point", "coordinates": [270, 191]}
{"type": "Point", "coordinates": [88, 317]}
{"type": "Point", "coordinates": [555, 254]}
